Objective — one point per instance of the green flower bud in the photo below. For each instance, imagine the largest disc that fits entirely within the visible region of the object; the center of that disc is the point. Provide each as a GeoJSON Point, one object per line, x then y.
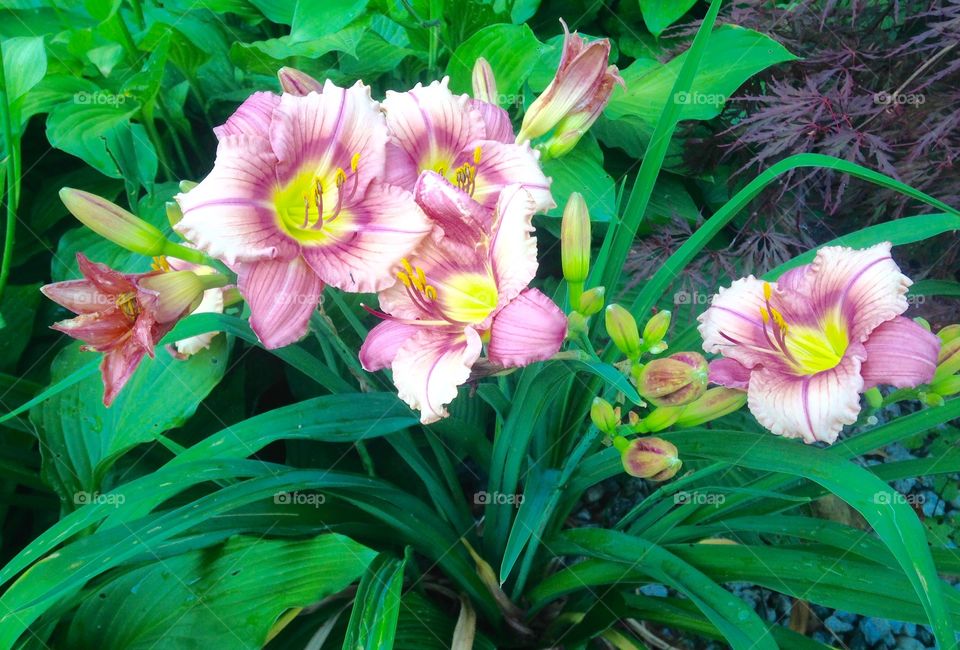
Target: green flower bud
{"type": "Point", "coordinates": [659, 419]}
{"type": "Point", "coordinates": [112, 222]}
{"type": "Point", "coordinates": [603, 416]}
{"type": "Point", "coordinates": [622, 329]}
{"type": "Point", "coordinates": [949, 333]}
{"type": "Point", "coordinates": [675, 380]}
{"type": "Point", "coordinates": [874, 398]}
{"type": "Point", "coordinates": [713, 404]}
{"type": "Point", "coordinates": [650, 458]}
{"type": "Point", "coordinates": [591, 301]}
{"type": "Point", "coordinates": [947, 386]}
{"type": "Point", "coordinates": [948, 361]}
{"type": "Point", "coordinates": [178, 292]}
{"type": "Point", "coordinates": [931, 399]}
{"type": "Point", "coordinates": [576, 325]}
{"type": "Point", "coordinates": [174, 213]}
{"type": "Point", "coordinates": [656, 328]}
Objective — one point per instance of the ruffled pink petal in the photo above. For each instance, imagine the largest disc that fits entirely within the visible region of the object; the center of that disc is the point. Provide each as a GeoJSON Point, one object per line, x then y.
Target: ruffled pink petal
{"type": "Point", "coordinates": [814, 408]}
{"type": "Point", "coordinates": [734, 315]}
{"type": "Point", "coordinates": [432, 125]}
{"type": "Point", "coordinates": [79, 296]}
{"type": "Point", "coordinates": [282, 296]}
{"type": "Point", "coordinates": [513, 248]}
{"type": "Point", "coordinates": [866, 284]}
{"type": "Point", "coordinates": [319, 133]}
{"type": "Point", "coordinates": [458, 215]}
{"type": "Point", "coordinates": [117, 367]}
{"type": "Point", "coordinates": [496, 121]}
{"type": "Point", "coordinates": [729, 373]}
{"type": "Point", "coordinates": [386, 226]}
{"type": "Point", "coordinates": [105, 279]}
{"type": "Point", "coordinates": [251, 118]}
{"type": "Point", "coordinates": [231, 215]}
{"type": "Point", "coordinates": [295, 82]}
{"type": "Point", "coordinates": [382, 343]}
{"type": "Point", "coordinates": [429, 368]}
{"type": "Point", "coordinates": [506, 164]}
{"type": "Point", "coordinates": [100, 331]}
{"type": "Point", "coordinates": [530, 328]}
{"type": "Point", "coordinates": [793, 279]}
{"type": "Point", "coordinates": [900, 353]}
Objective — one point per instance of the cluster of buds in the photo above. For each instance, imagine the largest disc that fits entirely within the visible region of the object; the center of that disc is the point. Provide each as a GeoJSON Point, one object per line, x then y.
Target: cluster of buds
{"type": "Point", "coordinates": [946, 380]}
{"type": "Point", "coordinates": [124, 315]}
{"type": "Point", "coordinates": [650, 458]}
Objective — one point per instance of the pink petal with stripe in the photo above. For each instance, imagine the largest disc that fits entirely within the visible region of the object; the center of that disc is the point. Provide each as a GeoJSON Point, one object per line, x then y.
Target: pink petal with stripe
{"type": "Point", "coordinates": [383, 342]}
{"type": "Point", "coordinates": [531, 328]}
{"type": "Point", "coordinates": [251, 118]}
{"type": "Point", "coordinates": [900, 353]}
{"type": "Point", "coordinates": [282, 296]}
{"type": "Point", "coordinates": [507, 164]}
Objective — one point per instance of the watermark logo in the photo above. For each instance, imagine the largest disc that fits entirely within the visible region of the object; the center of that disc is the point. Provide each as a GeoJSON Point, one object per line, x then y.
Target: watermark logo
{"type": "Point", "coordinates": [699, 498]}
{"type": "Point", "coordinates": [99, 98]}
{"type": "Point", "coordinates": [699, 99]}
{"type": "Point", "coordinates": [898, 99]}
{"type": "Point", "coordinates": [498, 498]}
{"type": "Point", "coordinates": [888, 498]}
{"type": "Point", "coordinates": [692, 298]}
{"type": "Point", "coordinates": [314, 499]}
{"type": "Point", "coordinates": [84, 498]}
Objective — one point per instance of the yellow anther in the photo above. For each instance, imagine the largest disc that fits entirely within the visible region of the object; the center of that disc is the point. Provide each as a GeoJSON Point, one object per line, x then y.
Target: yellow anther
{"type": "Point", "coordinates": [406, 266]}
{"type": "Point", "coordinates": [160, 263]}
{"type": "Point", "coordinates": [767, 291]}
{"type": "Point", "coordinates": [341, 177]}
{"type": "Point", "coordinates": [430, 292]}
{"type": "Point", "coordinates": [421, 277]}
{"type": "Point", "coordinates": [476, 156]}
{"type": "Point", "coordinates": [127, 303]}
{"type": "Point", "coordinates": [355, 162]}
{"type": "Point", "coordinates": [765, 315]}
{"type": "Point", "coordinates": [404, 278]}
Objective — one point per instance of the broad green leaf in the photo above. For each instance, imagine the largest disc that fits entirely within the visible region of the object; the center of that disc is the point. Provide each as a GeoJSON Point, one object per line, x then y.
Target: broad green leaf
{"type": "Point", "coordinates": [660, 14]}
{"type": "Point", "coordinates": [523, 10]}
{"type": "Point", "coordinates": [265, 57]}
{"type": "Point", "coordinates": [230, 595]}
{"type": "Point", "coordinates": [81, 438]}
{"type": "Point", "coordinates": [376, 608]}
{"type": "Point", "coordinates": [312, 20]}
{"type": "Point", "coordinates": [81, 128]}
{"type": "Point", "coordinates": [936, 287]}
{"type": "Point", "coordinates": [18, 309]}
{"type": "Point", "coordinates": [24, 64]}
{"type": "Point", "coordinates": [511, 50]}
{"type": "Point", "coordinates": [732, 55]}
{"type": "Point", "coordinates": [582, 171]}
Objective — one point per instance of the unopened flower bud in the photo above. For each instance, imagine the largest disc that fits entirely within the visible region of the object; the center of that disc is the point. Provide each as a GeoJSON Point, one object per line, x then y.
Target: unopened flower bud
{"type": "Point", "coordinates": [947, 386]}
{"type": "Point", "coordinates": [622, 329]}
{"type": "Point", "coordinates": [591, 301]}
{"type": "Point", "coordinates": [948, 361]}
{"type": "Point", "coordinates": [949, 333]}
{"type": "Point", "coordinates": [657, 348]}
{"type": "Point", "coordinates": [484, 83]}
{"type": "Point", "coordinates": [186, 186]}
{"type": "Point", "coordinates": [659, 419]}
{"type": "Point", "coordinates": [656, 328]}
{"type": "Point", "coordinates": [603, 416]}
{"type": "Point", "coordinates": [178, 292]}
{"type": "Point", "coordinates": [874, 398]}
{"type": "Point", "coordinates": [675, 380]}
{"type": "Point", "coordinates": [112, 222]}
{"type": "Point", "coordinates": [298, 83]}
{"type": "Point", "coordinates": [174, 213]}
{"type": "Point", "coordinates": [650, 458]}
{"type": "Point", "coordinates": [931, 399]}
{"type": "Point", "coordinates": [576, 325]}
{"type": "Point", "coordinates": [713, 404]}
{"type": "Point", "coordinates": [575, 240]}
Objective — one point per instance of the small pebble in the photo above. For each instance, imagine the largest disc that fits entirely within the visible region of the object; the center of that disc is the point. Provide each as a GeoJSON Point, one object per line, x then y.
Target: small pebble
{"type": "Point", "coordinates": [876, 630]}
{"type": "Point", "coordinates": [657, 591]}
{"type": "Point", "coordinates": [837, 625]}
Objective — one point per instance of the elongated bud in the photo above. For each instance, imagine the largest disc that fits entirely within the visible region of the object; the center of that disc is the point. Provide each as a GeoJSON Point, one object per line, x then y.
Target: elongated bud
{"type": "Point", "coordinates": [659, 419]}
{"type": "Point", "coordinates": [713, 404]}
{"type": "Point", "coordinates": [112, 222]}
{"type": "Point", "coordinates": [656, 328]}
{"type": "Point", "coordinates": [603, 416]}
{"type": "Point", "coordinates": [174, 213]}
{"type": "Point", "coordinates": [949, 333]}
{"type": "Point", "coordinates": [651, 458]}
{"type": "Point", "coordinates": [484, 83]}
{"type": "Point", "coordinates": [298, 83]}
{"type": "Point", "coordinates": [622, 329]}
{"type": "Point", "coordinates": [874, 398]}
{"type": "Point", "coordinates": [575, 239]}
{"type": "Point", "coordinates": [948, 361]}
{"type": "Point", "coordinates": [591, 301]}
{"type": "Point", "coordinates": [946, 387]}
{"type": "Point", "coordinates": [675, 380]}
{"type": "Point", "coordinates": [177, 292]}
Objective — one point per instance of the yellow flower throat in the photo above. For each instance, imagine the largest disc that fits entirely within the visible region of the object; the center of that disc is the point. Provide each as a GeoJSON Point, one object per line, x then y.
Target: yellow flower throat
{"type": "Point", "coordinates": [808, 349]}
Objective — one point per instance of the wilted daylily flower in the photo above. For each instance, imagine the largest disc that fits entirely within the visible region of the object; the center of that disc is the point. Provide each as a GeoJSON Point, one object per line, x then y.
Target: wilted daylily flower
{"type": "Point", "coordinates": [296, 200]}
{"type": "Point", "coordinates": [806, 346]}
{"type": "Point", "coordinates": [124, 316]}
{"type": "Point", "coordinates": [577, 95]}
{"type": "Point", "coordinates": [467, 141]}
{"type": "Point", "coordinates": [465, 286]}
{"type": "Point", "coordinates": [212, 302]}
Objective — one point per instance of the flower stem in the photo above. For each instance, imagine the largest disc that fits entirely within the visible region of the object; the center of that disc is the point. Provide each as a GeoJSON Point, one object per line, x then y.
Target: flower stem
{"type": "Point", "coordinates": [181, 252]}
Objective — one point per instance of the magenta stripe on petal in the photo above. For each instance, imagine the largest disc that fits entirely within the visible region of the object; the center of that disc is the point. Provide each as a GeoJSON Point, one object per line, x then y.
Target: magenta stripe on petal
{"type": "Point", "coordinates": [282, 296]}
{"type": "Point", "coordinates": [530, 328]}
{"type": "Point", "coordinates": [900, 353]}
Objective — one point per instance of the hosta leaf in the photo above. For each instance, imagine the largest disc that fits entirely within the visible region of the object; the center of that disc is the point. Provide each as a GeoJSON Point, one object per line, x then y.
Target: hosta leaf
{"type": "Point", "coordinates": [511, 50]}
{"type": "Point", "coordinates": [81, 129]}
{"type": "Point", "coordinates": [227, 596]}
{"type": "Point", "coordinates": [24, 64]}
{"type": "Point", "coordinates": [660, 14]}
{"type": "Point", "coordinates": [313, 19]}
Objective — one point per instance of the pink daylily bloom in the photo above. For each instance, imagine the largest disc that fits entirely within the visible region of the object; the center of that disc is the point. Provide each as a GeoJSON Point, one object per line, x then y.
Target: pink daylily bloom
{"type": "Point", "coordinates": [297, 199]}
{"type": "Point", "coordinates": [120, 315]}
{"type": "Point", "coordinates": [806, 346]}
{"type": "Point", "coordinates": [579, 91]}
{"type": "Point", "coordinates": [467, 141]}
{"type": "Point", "coordinates": [464, 286]}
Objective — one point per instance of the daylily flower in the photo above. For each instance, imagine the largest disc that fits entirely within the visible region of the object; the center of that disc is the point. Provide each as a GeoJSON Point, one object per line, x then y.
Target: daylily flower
{"type": "Point", "coordinates": [576, 96]}
{"type": "Point", "coordinates": [465, 286]}
{"type": "Point", "coordinates": [806, 346]}
{"type": "Point", "coordinates": [124, 315]}
{"type": "Point", "coordinates": [468, 141]}
{"type": "Point", "coordinates": [296, 200]}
